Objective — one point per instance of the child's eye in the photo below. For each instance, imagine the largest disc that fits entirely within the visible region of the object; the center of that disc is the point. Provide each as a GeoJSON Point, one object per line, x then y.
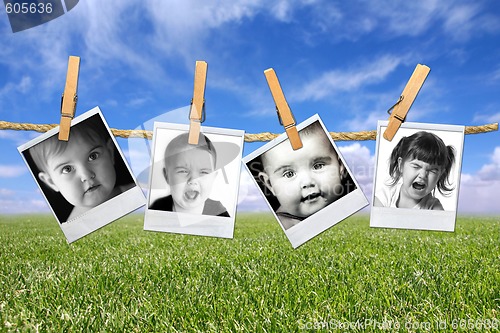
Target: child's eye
{"type": "Point", "coordinates": [93, 156]}
{"type": "Point", "coordinates": [318, 165]}
{"type": "Point", "coordinates": [66, 169]}
{"type": "Point", "coordinates": [434, 171]}
{"type": "Point", "coordinates": [288, 174]}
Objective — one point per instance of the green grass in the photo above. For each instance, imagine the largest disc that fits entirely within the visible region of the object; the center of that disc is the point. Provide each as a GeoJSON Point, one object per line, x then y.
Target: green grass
{"type": "Point", "coordinates": [123, 279]}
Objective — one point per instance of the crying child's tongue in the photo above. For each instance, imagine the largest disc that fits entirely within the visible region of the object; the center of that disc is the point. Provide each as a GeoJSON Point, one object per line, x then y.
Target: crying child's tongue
{"type": "Point", "coordinates": [418, 186]}
{"type": "Point", "coordinates": [191, 195]}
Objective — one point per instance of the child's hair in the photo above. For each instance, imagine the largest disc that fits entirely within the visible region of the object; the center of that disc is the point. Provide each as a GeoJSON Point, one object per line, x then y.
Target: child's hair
{"type": "Point", "coordinates": [426, 147]}
{"type": "Point", "coordinates": [91, 130]}
{"type": "Point", "coordinates": [181, 141]}
{"type": "Point", "coordinates": [311, 129]}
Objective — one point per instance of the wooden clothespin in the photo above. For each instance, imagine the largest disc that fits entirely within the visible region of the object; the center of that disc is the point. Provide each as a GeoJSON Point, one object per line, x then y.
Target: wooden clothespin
{"type": "Point", "coordinates": [69, 98]}
{"type": "Point", "coordinates": [284, 113]}
{"type": "Point", "coordinates": [401, 108]}
{"type": "Point", "coordinates": [197, 114]}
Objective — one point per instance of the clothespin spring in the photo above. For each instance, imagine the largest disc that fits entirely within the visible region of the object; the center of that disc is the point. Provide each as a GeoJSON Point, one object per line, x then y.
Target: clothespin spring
{"type": "Point", "coordinates": [392, 107]}
{"type": "Point", "coordinates": [281, 121]}
{"type": "Point", "coordinates": [202, 112]}
{"type": "Point", "coordinates": [69, 115]}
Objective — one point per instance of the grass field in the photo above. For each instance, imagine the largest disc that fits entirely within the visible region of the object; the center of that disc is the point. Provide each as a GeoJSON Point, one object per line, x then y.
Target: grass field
{"type": "Point", "coordinates": [350, 278]}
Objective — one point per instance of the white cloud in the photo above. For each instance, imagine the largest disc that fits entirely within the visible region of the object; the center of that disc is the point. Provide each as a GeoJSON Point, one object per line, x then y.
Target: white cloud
{"type": "Point", "coordinates": [18, 137]}
{"type": "Point", "coordinates": [6, 192]}
{"type": "Point", "coordinates": [22, 87]}
{"type": "Point", "coordinates": [138, 101]}
{"type": "Point", "coordinates": [12, 171]}
{"type": "Point", "coordinates": [184, 31]}
{"type": "Point", "coordinates": [18, 206]}
{"type": "Point", "coordinates": [405, 18]}
{"type": "Point", "coordinates": [361, 163]}
{"type": "Point", "coordinates": [496, 75]}
{"type": "Point", "coordinates": [350, 20]}
{"type": "Point", "coordinates": [490, 118]}
{"type": "Point", "coordinates": [17, 202]}
{"type": "Point", "coordinates": [479, 192]}
{"type": "Point", "coordinates": [350, 79]}
{"type": "Point", "coordinates": [365, 122]}
{"type": "Point", "coordinates": [465, 20]}
{"type": "Point", "coordinates": [491, 171]}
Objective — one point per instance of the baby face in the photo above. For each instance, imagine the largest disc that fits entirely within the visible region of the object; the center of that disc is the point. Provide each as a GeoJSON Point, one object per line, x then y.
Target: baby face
{"type": "Point", "coordinates": [419, 178]}
{"type": "Point", "coordinates": [84, 173]}
{"type": "Point", "coordinates": [190, 174]}
{"type": "Point", "coordinates": [304, 180]}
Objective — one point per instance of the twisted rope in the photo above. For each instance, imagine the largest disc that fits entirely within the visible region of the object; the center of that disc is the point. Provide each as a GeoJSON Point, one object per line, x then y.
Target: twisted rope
{"type": "Point", "coordinates": [266, 136]}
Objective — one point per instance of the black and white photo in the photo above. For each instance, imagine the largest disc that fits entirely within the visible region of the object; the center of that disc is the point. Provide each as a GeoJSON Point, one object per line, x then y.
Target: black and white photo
{"type": "Point", "coordinates": [417, 177]}
{"type": "Point", "coordinates": [194, 187]}
{"type": "Point", "coordinates": [85, 180]}
{"type": "Point", "coordinates": [309, 189]}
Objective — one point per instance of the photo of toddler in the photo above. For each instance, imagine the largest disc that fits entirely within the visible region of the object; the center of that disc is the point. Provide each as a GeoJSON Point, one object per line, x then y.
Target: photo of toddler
{"type": "Point", "coordinates": [193, 188]}
{"type": "Point", "coordinates": [86, 180]}
{"type": "Point", "coordinates": [419, 164]}
{"type": "Point", "coordinates": [299, 183]}
{"type": "Point", "coordinates": [190, 171]}
{"type": "Point", "coordinates": [417, 177]}
{"type": "Point", "coordinates": [83, 170]}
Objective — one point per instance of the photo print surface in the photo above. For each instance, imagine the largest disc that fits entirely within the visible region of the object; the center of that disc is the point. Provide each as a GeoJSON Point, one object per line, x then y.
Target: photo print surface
{"type": "Point", "coordinates": [193, 189]}
{"type": "Point", "coordinates": [417, 177]}
{"type": "Point", "coordinates": [309, 189]}
{"type": "Point", "coordinates": [85, 180]}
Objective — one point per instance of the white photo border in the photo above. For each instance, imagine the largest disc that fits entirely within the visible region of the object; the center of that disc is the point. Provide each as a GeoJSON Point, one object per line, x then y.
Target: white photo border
{"type": "Point", "coordinates": [418, 219]}
{"type": "Point", "coordinates": [104, 213]}
{"type": "Point", "coordinates": [192, 224]}
{"type": "Point", "coordinates": [325, 218]}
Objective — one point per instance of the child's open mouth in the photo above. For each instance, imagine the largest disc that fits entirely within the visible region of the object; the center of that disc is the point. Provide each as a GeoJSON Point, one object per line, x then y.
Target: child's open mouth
{"type": "Point", "coordinates": [419, 186]}
{"type": "Point", "coordinates": [191, 195]}
{"type": "Point", "coordinates": [311, 197]}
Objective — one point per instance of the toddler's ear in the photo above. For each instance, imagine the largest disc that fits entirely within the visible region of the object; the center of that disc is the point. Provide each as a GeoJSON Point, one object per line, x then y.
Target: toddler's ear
{"type": "Point", "coordinates": [165, 175]}
{"type": "Point", "coordinates": [342, 170]}
{"type": "Point", "coordinates": [47, 180]}
{"type": "Point", "coordinates": [111, 148]}
{"type": "Point", "coordinates": [264, 178]}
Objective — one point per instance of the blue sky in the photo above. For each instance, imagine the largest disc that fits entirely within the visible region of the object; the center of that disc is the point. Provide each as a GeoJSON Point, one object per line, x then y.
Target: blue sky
{"type": "Point", "coordinates": [348, 61]}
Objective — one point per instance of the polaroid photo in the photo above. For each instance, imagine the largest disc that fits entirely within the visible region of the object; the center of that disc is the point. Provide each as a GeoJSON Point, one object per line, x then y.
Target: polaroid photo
{"type": "Point", "coordinates": [86, 180]}
{"type": "Point", "coordinates": [310, 189]}
{"type": "Point", "coordinates": [193, 189]}
{"type": "Point", "coordinates": [417, 177]}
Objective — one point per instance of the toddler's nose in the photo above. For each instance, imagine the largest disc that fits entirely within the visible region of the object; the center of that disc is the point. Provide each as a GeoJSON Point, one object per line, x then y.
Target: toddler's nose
{"type": "Point", "coordinates": [192, 180]}
{"type": "Point", "coordinates": [307, 181]}
{"type": "Point", "coordinates": [86, 175]}
{"type": "Point", "coordinates": [423, 173]}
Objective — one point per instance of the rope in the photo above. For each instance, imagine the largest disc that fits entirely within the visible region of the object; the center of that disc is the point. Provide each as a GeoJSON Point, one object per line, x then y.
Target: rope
{"type": "Point", "coordinates": [266, 136]}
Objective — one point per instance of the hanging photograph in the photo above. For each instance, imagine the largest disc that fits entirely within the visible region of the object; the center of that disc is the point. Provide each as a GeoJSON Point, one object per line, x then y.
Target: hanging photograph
{"type": "Point", "coordinates": [86, 180]}
{"type": "Point", "coordinates": [417, 177]}
{"type": "Point", "coordinates": [193, 188]}
{"type": "Point", "coordinates": [309, 189]}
